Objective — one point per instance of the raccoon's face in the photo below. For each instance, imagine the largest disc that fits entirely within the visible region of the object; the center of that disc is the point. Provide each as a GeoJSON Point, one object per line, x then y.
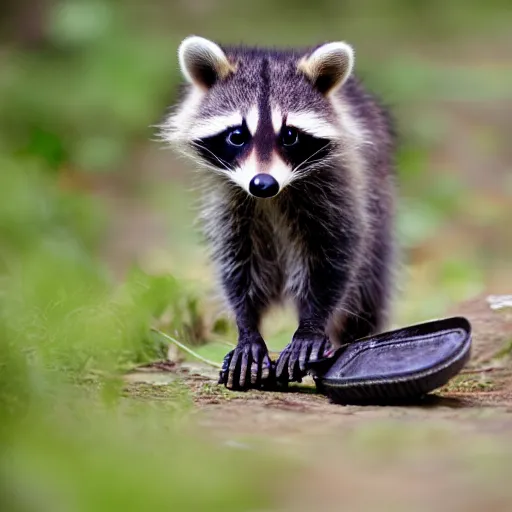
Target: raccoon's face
{"type": "Point", "coordinates": [260, 118]}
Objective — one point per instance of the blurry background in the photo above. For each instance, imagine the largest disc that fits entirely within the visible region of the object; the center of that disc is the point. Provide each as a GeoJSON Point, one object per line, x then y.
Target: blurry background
{"type": "Point", "coordinates": [96, 234]}
{"type": "Point", "coordinates": [83, 81]}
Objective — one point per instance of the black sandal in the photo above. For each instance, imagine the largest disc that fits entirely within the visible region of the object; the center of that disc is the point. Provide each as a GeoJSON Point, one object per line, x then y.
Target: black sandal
{"type": "Point", "coordinates": [395, 366]}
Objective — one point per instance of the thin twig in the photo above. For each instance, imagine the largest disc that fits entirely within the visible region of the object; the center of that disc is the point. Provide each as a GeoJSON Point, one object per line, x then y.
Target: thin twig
{"type": "Point", "coordinates": [487, 369]}
{"type": "Point", "coordinates": [186, 349]}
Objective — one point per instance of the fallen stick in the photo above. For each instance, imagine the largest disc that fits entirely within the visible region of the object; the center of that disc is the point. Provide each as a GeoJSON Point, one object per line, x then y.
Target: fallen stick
{"type": "Point", "coordinates": [186, 349]}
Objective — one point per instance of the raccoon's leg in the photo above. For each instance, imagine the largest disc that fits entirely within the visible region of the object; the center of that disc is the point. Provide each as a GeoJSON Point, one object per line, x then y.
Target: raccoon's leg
{"type": "Point", "coordinates": [310, 340]}
{"type": "Point", "coordinates": [330, 253]}
{"type": "Point", "coordinates": [248, 365]}
{"type": "Point", "coordinates": [251, 280]}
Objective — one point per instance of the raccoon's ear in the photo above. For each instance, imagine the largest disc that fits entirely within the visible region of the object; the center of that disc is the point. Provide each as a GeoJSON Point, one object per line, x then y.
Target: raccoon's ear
{"type": "Point", "coordinates": [202, 62]}
{"type": "Point", "coordinates": [328, 66]}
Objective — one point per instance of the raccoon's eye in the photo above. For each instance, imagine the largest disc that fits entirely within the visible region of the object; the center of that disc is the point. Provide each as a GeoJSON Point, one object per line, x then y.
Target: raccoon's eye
{"type": "Point", "coordinates": [237, 137]}
{"type": "Point", "coordinates": [289, 136]}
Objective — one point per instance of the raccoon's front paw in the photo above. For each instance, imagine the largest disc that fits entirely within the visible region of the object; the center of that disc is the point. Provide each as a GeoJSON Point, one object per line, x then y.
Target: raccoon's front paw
{"type": "Point", "coordinates": [247, 366]}
{"type": "Point", "coordinates": [305, 347]}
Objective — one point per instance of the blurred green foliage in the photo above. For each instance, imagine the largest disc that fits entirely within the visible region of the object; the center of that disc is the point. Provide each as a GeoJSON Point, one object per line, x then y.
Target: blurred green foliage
{"type": "Point", "coordinates": [82, 98]}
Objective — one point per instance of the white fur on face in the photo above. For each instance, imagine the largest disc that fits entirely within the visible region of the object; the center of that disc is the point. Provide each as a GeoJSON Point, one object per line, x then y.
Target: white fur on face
{"type": "Point", "coordinates": [252, 120]}
{"type": "Point", "coordinates": [176, 126]}
{"type": "Point", "coordinates": [309, 122]}
{"type": "Point", "coordinates": [280, 170]}
{"type": "Point", "coordinates": [210, 126]}
{"type": "Point", "coordinates": [313, 124]}
{"type": "Point", "coordinates": [277, 119]}
{"type": "Point", "coordinates": [246, 171]}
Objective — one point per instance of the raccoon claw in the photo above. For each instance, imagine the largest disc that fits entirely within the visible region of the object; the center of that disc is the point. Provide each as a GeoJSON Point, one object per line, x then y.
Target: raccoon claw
{"type": "Point", "coordinates": [247, 366]}
{"type": "Point", "coordinates": [292, 363]}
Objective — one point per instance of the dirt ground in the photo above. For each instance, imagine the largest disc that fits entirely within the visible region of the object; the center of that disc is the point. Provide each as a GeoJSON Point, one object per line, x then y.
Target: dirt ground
{"type": "Point", "coordinates": [451, 452]}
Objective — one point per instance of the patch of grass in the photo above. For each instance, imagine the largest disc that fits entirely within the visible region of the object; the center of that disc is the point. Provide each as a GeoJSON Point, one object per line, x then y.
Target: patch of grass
{"type": "Point", "coordinates": [212, 390]}
{"type": "Point", "coordinates": [175, 392]}
{"type": "Point", "coordinates": [469, 384]}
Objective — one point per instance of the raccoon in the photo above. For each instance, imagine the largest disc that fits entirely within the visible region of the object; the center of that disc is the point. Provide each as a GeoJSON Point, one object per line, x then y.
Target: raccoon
{"type": "Point", "coordinates": [298, 195]}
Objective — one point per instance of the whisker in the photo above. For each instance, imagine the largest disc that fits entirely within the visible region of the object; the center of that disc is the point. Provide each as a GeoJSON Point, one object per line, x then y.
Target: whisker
{"type": "Point", "coordinates": [311, 166]}
{"type": "Point", "coordinates": [222, 162]}
{"type": "Point", "coordinates": [296, 168]}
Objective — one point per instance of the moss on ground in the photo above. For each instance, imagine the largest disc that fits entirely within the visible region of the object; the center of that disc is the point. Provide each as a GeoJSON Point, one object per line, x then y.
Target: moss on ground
{"type": "Point", "coordinates": [469, 384]}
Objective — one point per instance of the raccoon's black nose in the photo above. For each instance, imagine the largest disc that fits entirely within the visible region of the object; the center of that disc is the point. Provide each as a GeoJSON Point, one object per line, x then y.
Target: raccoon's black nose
{"type": "Point", "coordinates": [263, 185]}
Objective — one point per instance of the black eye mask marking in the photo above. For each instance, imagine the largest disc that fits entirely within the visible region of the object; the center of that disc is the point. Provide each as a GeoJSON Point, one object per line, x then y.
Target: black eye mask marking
{"type": "Point", "coordinates": [224, 149]}
{"type": "Point", "coordinates": [298, 148]}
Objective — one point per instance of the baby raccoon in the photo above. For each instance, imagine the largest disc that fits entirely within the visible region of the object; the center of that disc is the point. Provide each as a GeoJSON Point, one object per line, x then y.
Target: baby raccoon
{"type": "Point", "coordinates": [298, 196]}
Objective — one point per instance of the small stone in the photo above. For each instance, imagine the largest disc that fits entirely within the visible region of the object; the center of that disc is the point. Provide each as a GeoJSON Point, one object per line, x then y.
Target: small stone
{"type": "Point", "coordinates": [499, 301]}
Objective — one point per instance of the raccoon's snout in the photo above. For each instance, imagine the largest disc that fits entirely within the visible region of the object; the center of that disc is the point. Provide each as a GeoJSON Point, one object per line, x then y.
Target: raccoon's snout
{"type": "Point", "coordinates": [263, 185]}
